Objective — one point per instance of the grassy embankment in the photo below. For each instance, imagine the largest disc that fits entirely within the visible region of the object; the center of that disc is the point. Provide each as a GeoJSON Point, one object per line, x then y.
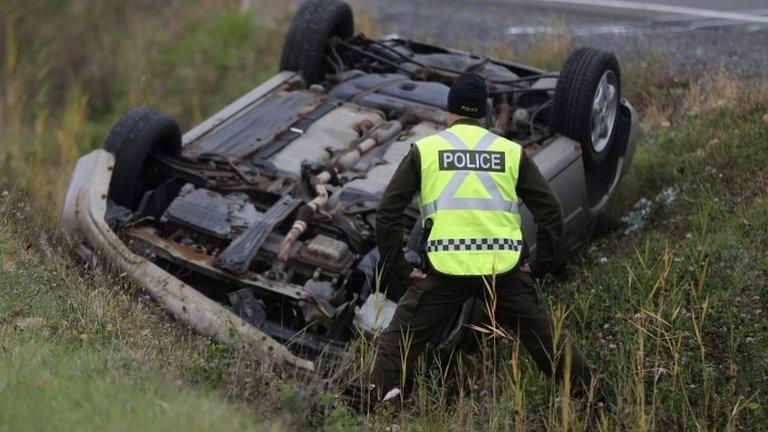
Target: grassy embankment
{"type": "Point", "coordinates": [82, 350]}
{"type": "Point", "coordinates": [674, 315]}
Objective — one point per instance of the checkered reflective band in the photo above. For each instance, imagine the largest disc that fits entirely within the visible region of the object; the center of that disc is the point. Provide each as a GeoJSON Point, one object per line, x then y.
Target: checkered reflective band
{"type": "Point", "coordinates": [478, 244]}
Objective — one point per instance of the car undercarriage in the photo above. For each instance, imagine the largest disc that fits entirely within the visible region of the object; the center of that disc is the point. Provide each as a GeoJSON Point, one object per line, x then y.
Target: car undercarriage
{"type": "Point", "coordinates": [268, 208]}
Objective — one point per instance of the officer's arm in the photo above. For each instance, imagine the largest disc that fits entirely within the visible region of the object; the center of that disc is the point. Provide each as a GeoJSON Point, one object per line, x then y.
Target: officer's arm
{"type": "Point", "coordinates": [403, 186]}
{"type": "Point", "coordinates": [538, 197]}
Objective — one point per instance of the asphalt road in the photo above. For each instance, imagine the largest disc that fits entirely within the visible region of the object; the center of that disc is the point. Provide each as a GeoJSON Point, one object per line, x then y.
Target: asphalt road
{"type": "Point", "coordinates": [694, 35]}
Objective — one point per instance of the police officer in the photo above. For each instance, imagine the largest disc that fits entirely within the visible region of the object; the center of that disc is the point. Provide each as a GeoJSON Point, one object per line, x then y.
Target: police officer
{"type": "Point", "coordinates": [469, 183]}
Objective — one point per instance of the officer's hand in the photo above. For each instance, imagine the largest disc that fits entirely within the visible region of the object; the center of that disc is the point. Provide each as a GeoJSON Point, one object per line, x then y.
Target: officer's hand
{"type": "Point", "coordinates": [525, 268]}
{"type": "Point", "coordinates": [417, 274]}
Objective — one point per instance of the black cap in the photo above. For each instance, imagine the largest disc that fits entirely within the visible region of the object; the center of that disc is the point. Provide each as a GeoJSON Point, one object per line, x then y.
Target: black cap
{"type": "Point", "coordinates": [468, 96]}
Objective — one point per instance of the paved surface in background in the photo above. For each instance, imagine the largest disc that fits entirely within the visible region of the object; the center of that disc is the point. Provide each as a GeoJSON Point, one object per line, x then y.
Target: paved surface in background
{"type": "Point", "coordinates": [696, 35]}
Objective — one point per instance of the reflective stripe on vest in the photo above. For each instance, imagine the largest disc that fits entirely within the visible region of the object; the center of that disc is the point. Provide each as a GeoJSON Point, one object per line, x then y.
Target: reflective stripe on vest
{"type": "Point", "coordinates": [468, 179]}
{"type": "Point", "coordinates": [473, 244]}
{"type": "Point", "coordinates": [447, 199]}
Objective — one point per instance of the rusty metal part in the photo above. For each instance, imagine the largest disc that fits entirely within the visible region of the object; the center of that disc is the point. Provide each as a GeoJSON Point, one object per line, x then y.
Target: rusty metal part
{"type": "Point", "coordinates": [305, 217]}
{"type": "Point", "coordinates": [145, 240]}
{"type": "Point", "coordinates": [82, 221]}
{"type": "Point", "coordinates": [346, 160]}
{"type": "Point", "coordinates": [321, 196]}
{"type": "Point", "coordinates": [502, 119]}
{"type": "Point", "coordinates": [329, 135]}
{"type": "Point", "coordinates": [297, 229]}
{"type": "Point", "coordinates": [238, 255]}
{"type": "Point", "coordinates": [380, 135]}
{"type": "Point", "coordinates": [363, 126]}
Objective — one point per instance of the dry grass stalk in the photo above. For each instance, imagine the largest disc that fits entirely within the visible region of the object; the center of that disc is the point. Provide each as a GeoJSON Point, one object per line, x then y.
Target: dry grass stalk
{"type": "Point", "coordinates": [712, 90]}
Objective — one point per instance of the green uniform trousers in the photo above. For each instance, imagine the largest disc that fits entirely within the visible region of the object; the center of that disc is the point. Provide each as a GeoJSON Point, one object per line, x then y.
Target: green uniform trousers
{"type": "Point", "coordinates": [520, 308]}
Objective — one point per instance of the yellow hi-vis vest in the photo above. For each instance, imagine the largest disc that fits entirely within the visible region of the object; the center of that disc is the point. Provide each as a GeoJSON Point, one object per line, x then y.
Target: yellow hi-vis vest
{"type": "Point", "coordinates": [468, 180]}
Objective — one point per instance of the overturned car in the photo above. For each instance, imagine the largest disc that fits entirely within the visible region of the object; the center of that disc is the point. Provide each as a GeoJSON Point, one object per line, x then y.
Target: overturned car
{"type": "Point", "coordinates": [258, 225]}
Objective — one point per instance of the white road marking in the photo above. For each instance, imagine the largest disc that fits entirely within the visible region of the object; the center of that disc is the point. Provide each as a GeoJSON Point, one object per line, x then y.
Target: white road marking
{"type": "Point", "coordinates": [662, 8]}
{"type": "Point", "coordinates": [589, 30]}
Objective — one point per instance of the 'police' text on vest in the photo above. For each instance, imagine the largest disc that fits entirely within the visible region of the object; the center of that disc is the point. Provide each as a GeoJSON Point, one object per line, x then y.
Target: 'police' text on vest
{"type": "Point", "coordinates": [473, 160]}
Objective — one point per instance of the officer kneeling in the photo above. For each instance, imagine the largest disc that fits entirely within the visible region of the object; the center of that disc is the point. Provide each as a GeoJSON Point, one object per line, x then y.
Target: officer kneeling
{"type": "Point", "coordinates": [469, 183]}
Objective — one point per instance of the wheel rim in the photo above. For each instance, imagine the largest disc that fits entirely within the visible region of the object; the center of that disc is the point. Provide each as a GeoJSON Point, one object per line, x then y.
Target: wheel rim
{"type": "Point", "coordinates": [604, 107]}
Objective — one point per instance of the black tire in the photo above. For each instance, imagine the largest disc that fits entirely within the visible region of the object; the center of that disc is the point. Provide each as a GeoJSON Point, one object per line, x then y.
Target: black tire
{"type": "Point", "coordinates": [134, 137]}
{"type": "Point", "coordinates": [314, 24]}
{"type": "Point", "coordinates": [574, 95]}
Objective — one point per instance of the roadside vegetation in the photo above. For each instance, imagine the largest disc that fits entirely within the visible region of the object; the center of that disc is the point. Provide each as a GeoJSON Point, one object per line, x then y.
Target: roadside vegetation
{"type": "Point", "coordinates": [671, 306]}
{"type": "Point", "coordinates": [79, 351]}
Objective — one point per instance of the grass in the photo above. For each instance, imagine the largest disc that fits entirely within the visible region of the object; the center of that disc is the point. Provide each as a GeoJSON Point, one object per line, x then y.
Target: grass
{"type": "Point", "coordinates": [70, 69]}
{"type": "Point", "coordinates": [674, 315]}
{"type": "Point", "coordinates": [70, 385]}
{"type": "Point", "coordinates": [81, 352]}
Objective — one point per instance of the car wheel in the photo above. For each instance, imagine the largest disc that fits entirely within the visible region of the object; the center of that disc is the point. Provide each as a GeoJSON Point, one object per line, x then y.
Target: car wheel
{"type": "Point", "coordinates": [587, 100]}
{"type": "Point", "coordinates": [137, 134]}
{"type": "Point", "coordinates": [314, 24]}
